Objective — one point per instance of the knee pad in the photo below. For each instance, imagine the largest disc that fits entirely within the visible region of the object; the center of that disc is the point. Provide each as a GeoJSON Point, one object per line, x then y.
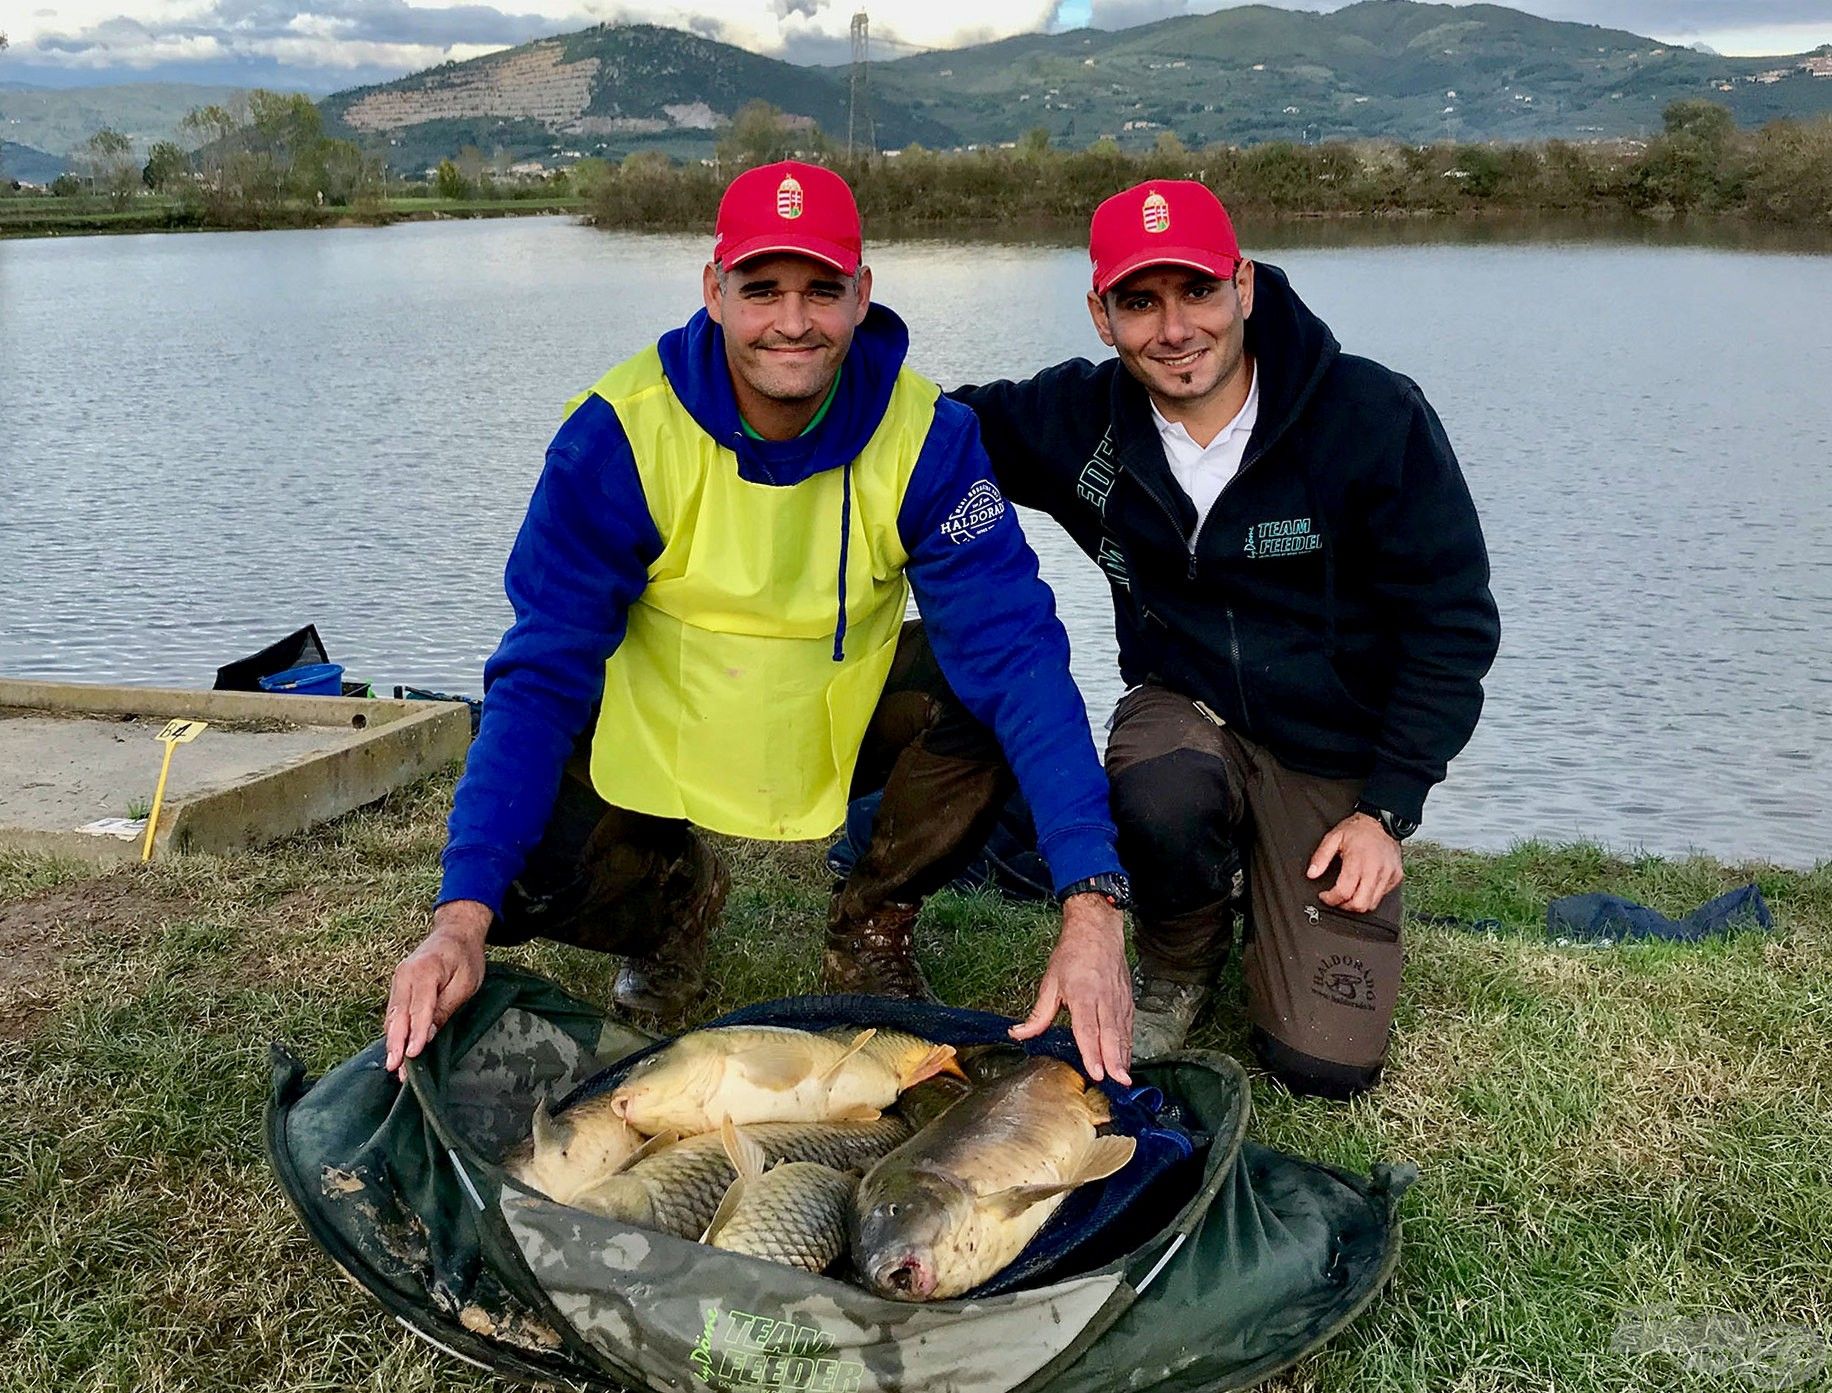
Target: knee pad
{"type": "Point", "coordinates": [1310, 1077]}
{"type": "Point", "coordinates": [1176, 837]}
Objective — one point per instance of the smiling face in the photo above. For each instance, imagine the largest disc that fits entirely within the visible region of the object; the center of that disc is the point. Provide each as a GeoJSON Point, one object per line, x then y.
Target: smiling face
{"type": "Point", "coordinates": [788, 323]}
{"type": "Point", "coordinates": [1182, 333]}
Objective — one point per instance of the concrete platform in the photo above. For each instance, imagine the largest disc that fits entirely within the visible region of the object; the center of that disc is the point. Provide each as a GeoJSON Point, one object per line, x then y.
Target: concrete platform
{"type": "Point", "coordinates": [73, 756]}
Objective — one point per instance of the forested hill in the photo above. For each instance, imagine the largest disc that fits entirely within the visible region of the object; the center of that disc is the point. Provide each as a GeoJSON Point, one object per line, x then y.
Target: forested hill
{"type": "Point", "coordinates": [1393, 68]}
{"type": "Point", "coordinates": [608, 89]}
{"type": "Point", "coordinates": [1382, 68]}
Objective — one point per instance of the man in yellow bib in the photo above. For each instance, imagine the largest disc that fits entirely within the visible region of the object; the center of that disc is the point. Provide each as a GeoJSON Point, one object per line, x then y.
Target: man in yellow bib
{"type": "Point", "coordinates": [718, 559]}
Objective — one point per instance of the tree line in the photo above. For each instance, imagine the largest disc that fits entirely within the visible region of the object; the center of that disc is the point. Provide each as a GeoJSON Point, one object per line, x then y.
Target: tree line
{"type": "Point", "coordinates": [266, 159]}
{"type": "Point", "coordinates": [1699, 163]}
{"type": "Point", "coordinates": [261, 159]}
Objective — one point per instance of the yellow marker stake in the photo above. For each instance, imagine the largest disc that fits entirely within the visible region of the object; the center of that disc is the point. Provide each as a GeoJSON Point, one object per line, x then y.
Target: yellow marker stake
{"type": "Point", "coordinates": [175, 734]}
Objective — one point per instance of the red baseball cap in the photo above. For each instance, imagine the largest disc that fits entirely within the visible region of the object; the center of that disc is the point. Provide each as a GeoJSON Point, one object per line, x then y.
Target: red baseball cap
{"type": "Point", "coordinates": [1163, 222]}
{"type": "Point", "coordinates": [788, 207]}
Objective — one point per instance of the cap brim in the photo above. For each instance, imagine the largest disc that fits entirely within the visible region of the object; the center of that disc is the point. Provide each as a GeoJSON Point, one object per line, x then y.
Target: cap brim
{"type": "Point", "coordinates": [1218, 265]}
{"type": "Point", "coordinates": [814, 248]}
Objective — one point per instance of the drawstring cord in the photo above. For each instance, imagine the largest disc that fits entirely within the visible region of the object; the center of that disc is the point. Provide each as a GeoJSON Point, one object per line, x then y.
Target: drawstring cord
{"type": "Point", "coordinates": [839, 630]}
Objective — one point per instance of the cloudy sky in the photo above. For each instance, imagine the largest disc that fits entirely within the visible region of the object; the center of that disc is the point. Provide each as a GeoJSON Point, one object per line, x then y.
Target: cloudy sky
{"type": "Point", "coordinates": [325, 44]}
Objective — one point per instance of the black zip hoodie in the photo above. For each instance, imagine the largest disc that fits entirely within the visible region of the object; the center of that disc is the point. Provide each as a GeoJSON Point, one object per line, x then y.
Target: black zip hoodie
{"type": "Point", "coordinates": [1335, 605]}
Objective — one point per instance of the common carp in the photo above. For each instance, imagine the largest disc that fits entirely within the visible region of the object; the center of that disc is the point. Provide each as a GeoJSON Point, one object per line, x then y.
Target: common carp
{"type": "Point", "coordinates": [750, 1074]}
{"type": "Point", "coordinates": [678, 1190]}
{"type": "Point", "coordinates": [793, 1213]}
{"type": "Point", "coordinates": [566, 1154]}
{"type": "Point", "coordinates": [951, 1207]}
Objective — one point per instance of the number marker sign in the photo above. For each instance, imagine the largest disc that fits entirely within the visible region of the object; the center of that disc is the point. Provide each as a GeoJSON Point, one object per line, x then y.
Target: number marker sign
{"type": "Point", "coordinates": [176, 733]}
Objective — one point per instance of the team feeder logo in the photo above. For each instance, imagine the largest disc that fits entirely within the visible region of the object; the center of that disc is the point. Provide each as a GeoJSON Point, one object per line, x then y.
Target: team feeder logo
{"type": "Point", "coordinates": [1098, 475]}
{"type": "Point", "coordinates": [789, 198]}
{"type": "Point", "coordinates": [1157, 213]}
{"type": "Point", "coordinates": [976, 514]}
{"type": "Point", "coordinates": [739, 1351]}
{"type": "Point", "coordinates": [1292, 537]}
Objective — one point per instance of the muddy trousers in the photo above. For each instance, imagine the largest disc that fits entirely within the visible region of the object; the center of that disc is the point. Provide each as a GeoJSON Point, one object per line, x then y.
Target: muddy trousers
{"type": "Point", "coordinates": [1189, 794]}
{"type": "Point", "coordinates": [624, 882]}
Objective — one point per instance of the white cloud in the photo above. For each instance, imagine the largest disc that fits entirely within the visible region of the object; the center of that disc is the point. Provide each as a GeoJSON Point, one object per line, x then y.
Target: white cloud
{"type": "Point", "coordinates": [132, 32]}
{"type": "Point", "coordinates": [380, 37]}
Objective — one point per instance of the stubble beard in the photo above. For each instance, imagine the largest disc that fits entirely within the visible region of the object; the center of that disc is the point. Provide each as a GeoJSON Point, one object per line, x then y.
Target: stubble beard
{"type": "Point", "coordinates": [775, 382]}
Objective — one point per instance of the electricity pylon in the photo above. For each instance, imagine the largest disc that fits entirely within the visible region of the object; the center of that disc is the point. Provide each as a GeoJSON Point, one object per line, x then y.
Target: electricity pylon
{"type": "Point", "coordinates": [860, 136]}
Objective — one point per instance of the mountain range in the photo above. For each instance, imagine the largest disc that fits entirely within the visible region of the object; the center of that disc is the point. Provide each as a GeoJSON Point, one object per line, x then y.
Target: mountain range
{"type": "Point", "coordinates": [1380, 68]}
{"type": "Point", "coordinates": [1392, 68]}
{"type": "Point", "coordinates": [41, 127]}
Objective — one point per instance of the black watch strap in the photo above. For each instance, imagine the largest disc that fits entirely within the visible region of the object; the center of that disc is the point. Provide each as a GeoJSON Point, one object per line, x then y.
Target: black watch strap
{"type": "Point", "coordinates": [1397, 827]}
{"type": "Point", "coordinates": [1112, 886]}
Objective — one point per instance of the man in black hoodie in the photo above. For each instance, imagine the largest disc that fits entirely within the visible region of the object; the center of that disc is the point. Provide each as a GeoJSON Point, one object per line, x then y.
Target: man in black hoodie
{"type": "Point", "coordinates": [1300, 587]}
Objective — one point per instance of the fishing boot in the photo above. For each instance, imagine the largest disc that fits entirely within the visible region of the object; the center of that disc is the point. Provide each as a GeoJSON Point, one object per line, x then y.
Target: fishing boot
{"type": "Point", "coordinates": [1178, 957]}
{"type": "Point", "coordinates": [661, 986]}
{"type": "Point", "coordinates": [1163, 1010]}
{"type": "Point", "coordinates": [874, 954]}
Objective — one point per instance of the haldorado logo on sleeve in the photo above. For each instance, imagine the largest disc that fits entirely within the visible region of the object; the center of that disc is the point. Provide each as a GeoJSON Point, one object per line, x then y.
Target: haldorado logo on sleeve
{"type": "Point", "coordinates": [976, 514]}
{"type": "Point", "coordinates": [1292, 537]}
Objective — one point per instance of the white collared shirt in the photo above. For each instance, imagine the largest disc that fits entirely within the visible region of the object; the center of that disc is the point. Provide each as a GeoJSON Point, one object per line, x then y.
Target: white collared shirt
{"type": "Point", "coordinates": [1202, 471]}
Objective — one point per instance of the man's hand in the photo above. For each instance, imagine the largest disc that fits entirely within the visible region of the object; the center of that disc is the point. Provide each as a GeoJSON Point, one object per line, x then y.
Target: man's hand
{"type": "Point", "coordinates": [435, 980]}
{"type": "Point", "coordinates": [1371, 867]}
{"type": "Point", "coordinates": [1087, 975]}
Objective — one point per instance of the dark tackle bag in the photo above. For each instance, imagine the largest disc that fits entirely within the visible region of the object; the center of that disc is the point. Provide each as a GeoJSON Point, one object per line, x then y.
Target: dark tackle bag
{"type": "Point", "coordinates": [1234, 1262]}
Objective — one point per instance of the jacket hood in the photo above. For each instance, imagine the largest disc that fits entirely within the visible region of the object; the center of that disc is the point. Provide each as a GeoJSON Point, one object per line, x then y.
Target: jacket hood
{"type": "Point", "coordinates": [1291, 349]}
{"type": "Point", "coordinates": [693, 357]}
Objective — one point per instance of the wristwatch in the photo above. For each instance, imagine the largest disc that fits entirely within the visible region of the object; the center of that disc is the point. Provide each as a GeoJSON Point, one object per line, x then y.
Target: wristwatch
{"type": "Point", "coordinates": [1397, 827]}
{"type": "Point", "coordinates": [1112, 887]}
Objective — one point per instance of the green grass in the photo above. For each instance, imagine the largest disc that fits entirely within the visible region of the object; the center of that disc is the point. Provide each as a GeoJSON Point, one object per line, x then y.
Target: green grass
{"type": "Point", "coordinates": [1599, 1131]}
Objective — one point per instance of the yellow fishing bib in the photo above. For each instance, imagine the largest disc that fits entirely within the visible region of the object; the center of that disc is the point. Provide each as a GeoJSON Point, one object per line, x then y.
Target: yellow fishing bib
{"type": "Point", "coordinates": [724, 704]}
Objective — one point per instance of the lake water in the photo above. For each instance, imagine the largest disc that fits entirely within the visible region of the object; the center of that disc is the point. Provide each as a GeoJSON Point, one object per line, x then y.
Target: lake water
{"type": "Point", "coordinates": [206, 441]}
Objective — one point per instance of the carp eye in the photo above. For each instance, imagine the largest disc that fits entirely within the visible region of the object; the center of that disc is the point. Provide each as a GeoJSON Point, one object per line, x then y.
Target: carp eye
{"type": "Point", "coordinates": [890, 1211]}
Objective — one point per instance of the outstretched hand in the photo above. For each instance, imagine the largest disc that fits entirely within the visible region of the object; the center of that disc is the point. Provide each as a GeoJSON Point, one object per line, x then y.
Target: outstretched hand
{"type": "Point", "coordinates": [1371, 867]}
{"type": "Point", "coordinates": [1087, 976]}
{"type": "Point", "coordinates": [434, 980]}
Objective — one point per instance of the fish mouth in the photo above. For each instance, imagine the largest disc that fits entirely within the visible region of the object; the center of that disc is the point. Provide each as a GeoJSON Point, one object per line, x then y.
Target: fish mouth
{"type": "Point", "coordinates": [905, 1278]}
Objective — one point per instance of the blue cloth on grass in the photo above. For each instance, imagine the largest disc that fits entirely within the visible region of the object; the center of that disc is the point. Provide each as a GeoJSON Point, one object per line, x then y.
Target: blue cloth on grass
{"type": "Point", "coordinates": [1600, 918]}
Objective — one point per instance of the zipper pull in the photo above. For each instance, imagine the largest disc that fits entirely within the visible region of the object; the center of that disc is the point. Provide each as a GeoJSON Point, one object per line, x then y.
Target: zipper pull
{"type": "Point", "coordinates": [1191, 573]}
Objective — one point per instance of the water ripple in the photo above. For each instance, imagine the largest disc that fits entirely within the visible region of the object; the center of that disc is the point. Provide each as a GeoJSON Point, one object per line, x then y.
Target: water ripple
{"type": "Point", "coordinates": [210, 440]}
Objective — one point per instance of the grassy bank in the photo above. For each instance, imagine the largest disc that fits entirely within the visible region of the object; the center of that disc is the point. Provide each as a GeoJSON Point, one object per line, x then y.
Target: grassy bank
{"type": "Point", "coordinates": [66, 217]}
{"type": "Point", "coordinates": [1599, 1131]}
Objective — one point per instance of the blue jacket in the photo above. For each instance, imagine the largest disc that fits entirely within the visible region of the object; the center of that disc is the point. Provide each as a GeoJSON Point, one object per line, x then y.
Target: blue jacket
{"type": "Point", "coordinates": [582, 558]}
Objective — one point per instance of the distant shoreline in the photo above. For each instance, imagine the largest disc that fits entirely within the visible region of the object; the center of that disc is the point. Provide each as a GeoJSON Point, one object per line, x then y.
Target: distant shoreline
{"type": "Point", "coordinates": [23, 218]}
{"type": "Point", "coordinates": [1324, 227]}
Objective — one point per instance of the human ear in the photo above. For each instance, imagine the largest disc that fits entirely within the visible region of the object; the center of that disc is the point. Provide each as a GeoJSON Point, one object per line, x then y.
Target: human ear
{"type": "Point", "coordinates": [709, 291]}
{"type": "Point", "coordinates": [1097, 311]}
{"type": "Point", "coordinates": [864, 295]}
{"type": "Point", "coordinates": [1243, 284]}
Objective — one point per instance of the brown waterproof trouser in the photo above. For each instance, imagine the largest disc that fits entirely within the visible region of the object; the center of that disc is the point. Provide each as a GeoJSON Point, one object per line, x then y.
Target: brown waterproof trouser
{"type": "Point", "coordinates": [1186, 790]}
{"type": "Point", "coordinates": [624, 882]}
